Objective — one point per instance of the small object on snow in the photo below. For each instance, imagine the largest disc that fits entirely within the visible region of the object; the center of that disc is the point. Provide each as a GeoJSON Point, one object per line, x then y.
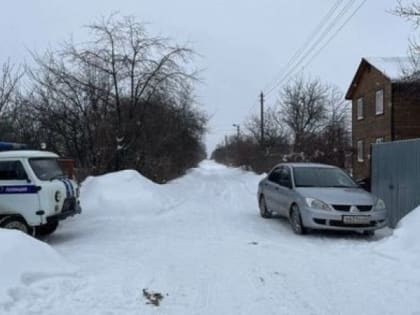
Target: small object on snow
{"type": "Point", "coordinates": [253, 243]}
{"type": "Point", "coordinates": [153, 297]}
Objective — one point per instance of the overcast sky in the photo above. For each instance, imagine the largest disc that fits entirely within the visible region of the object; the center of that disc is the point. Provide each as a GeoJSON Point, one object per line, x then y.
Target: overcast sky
{"type": "Point", "coordinates": [244, 44]}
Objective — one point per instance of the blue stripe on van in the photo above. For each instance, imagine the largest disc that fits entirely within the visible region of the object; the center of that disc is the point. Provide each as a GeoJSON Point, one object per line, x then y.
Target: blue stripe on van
{"type": "Point", "coordinates": [18, 189]}
{"type": "Point", "coordinates": [73, 194]}
{"type": "Point", "coordinates": [67, 187]}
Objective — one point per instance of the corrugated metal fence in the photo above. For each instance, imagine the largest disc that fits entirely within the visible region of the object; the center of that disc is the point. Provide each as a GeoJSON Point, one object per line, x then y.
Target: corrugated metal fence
{"type": "Point", "coordinates": [396, 176]}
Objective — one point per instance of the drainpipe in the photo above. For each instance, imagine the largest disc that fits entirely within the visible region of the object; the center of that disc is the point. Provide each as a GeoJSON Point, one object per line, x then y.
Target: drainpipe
{"type": "Point", "coordinates": [392, 113]}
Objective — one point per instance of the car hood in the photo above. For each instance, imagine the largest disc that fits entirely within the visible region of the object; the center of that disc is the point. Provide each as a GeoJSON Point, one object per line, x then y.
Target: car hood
{"type": "Point", "coordinates": [339, 196]}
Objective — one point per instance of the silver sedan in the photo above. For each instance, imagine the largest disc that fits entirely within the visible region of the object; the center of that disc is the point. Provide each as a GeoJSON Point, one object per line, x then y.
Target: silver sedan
{"type": "Point", "coordinates": [318, 196]}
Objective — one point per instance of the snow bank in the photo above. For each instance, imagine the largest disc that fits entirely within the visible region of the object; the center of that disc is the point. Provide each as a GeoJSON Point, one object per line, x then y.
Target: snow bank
{"type": "Point", "coordinates": [24, 260]}
{"type": "Point", "coordinates": [119, 193]}
{"type": "Point", "coordinates": [405, 240]}
{"type": "Point", "coordinates": [406, 236]}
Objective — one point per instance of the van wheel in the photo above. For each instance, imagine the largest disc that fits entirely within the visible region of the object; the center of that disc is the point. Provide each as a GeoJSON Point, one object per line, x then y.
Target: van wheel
{"type": "Point", "coordinates": [14, 223]}
{"type": "Point", "coordinates": [46, 229]}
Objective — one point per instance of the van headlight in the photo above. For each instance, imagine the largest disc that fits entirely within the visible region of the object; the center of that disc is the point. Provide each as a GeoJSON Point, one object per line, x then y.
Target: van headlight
{"type": "Point", "coordinates": [380, 205]}
{"type": "Point", "coordinates": [317, 204]}
{"type": "Point", "coordinates": [57, 196]}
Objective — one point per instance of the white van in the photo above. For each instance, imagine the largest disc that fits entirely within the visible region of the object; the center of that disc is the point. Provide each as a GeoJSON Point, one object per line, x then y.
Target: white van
{"type": "Point", "coordinates": [34, 192]}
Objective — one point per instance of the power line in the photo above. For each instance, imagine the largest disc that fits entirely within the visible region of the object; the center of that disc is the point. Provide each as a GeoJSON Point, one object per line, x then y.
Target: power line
{"type": "Point", "coordinates": [321, 38]}
{"type": "Point", "coordinates": [336, 33]}
{"type": "Point", "coordinates": [317, 41]}
{"type": "Point", "coordinates": [308, 40]}
{"type": "Point", "coordinates": [297, 54]}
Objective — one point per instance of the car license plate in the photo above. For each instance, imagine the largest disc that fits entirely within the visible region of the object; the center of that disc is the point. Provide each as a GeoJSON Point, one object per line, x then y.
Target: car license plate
{"type": "Point", "coordinates": [356, 219]}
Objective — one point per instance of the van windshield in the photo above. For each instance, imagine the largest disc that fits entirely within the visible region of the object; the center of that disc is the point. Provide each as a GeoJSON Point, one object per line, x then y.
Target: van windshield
{"type": "Point", "coordinates": [46, 168]}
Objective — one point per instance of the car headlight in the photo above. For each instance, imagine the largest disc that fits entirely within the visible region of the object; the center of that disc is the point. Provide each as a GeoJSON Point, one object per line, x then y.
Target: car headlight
{"type": "Point", "coordinates": [380, 205]}
{"type": "Point", "coordinates": [317, 204]}
{"type": "Point", "coordinates": [57, 196]}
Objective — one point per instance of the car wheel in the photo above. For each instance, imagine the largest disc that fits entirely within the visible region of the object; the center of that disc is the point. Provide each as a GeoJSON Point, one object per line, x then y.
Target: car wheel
{"type": "Point", "coordinates": [13, 223]}
{"type": "Point", "coordinates": [46, 229]}
{"type": "Point", "coordinates": [296, 221]}
{"type": "Point", "coordinates": [264, 212]}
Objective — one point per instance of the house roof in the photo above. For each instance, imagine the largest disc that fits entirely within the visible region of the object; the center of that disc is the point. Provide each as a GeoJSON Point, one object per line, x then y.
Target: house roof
{"type": "Point", "coordinates": [393, 68]}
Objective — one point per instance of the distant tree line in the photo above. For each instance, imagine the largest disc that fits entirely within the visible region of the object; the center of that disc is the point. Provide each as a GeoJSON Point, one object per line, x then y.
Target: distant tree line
{"type": "Point", "coordinates": [124, 99]}
{"type": "Point", "coordinates": [310, 123]}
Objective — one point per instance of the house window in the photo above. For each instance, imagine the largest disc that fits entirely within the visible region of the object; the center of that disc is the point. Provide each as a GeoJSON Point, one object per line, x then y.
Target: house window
{"type": "Point", "coordinates": [380, 102]}
{"type": "Point", "coordinates": [360, 108]}
{"type": "Point", "coordinates": [360, 153]}
{"type": "Point", "coordinates": [379, 140]}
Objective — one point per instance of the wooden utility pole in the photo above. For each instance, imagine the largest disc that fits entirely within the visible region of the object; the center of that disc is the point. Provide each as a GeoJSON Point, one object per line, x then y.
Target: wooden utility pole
{"type": "Point", "coordinates": [262, 118]}
{"type": "Point", "coordinates": [238, 130]}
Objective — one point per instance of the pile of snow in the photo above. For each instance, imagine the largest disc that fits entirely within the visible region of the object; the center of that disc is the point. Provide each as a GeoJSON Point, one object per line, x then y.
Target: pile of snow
{"type": "Point", "coordinates": [208, 252]}
{"type": "Point", "coordinates": [121, 193]}
{"type": "Point", "coordinates": [24, 260]}
{"type": "Point", "coordinates": [405, 240]}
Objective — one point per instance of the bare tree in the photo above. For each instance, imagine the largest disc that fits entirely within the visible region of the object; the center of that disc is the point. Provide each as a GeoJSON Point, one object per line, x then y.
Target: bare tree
{"type": "Point", "coordinates": [335, 137]}
{"type": "Point", "coordinates": [9, 78]}
{"type": "Point", "coordinates": [313, 112]}
{"type": "Point", "coordinates": [275, 133]}
{"type": "Point", "coordinates": [411, 12]}
{"type": "Point", "coordinates": [303, 108]}
{"type": "Point", "coordinates": [138, 67]}
{"type": "Point", "coordinates": [124, 99]}
{"type": "Point", "coordinates": [113, 78]}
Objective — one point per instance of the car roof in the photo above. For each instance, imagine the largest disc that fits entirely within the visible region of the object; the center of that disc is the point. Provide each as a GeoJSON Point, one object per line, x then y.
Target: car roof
{"type": "Point", "coordinates": [27, 154]}
{"type": "Point", "coordinates": [318, 165]}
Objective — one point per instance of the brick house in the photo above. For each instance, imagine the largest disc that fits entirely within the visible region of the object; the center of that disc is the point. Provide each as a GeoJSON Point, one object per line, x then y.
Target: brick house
{"type": "Point", "coordinates": [385, 107]}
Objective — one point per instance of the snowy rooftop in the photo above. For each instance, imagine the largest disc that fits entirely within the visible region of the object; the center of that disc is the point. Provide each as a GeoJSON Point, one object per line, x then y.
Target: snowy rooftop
{"type": "Point", "coordinates": [395, 68]}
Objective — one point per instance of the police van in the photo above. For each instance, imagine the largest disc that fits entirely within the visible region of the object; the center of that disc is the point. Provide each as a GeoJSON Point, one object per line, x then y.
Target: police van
{"type": "Point", "coordinates": [35, 194]}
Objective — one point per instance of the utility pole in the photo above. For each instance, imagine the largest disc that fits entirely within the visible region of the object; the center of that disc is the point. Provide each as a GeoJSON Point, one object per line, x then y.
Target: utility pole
{"type": "Point", "coordinates": [238, 130]}
{"type": "Point", "coordinates": [262, 118]}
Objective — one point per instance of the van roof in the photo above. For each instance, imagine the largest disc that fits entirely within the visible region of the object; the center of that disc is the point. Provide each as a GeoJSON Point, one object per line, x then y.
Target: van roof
{"type": "Point", "coordinates": [27, 154]}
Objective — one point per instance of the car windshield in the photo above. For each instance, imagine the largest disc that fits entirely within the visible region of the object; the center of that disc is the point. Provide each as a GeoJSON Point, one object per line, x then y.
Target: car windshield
{"type": "Point", "coordinates": [322, 177]}
{"type": "Point", "coordinates": [46, 168]}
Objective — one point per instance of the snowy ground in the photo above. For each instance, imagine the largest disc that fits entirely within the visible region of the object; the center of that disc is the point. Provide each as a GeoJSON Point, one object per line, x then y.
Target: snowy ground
{"type": "Point", "coordinates": [200, 242]}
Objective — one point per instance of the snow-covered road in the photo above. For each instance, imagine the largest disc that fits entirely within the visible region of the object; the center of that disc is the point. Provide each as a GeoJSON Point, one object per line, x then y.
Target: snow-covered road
{"type": "Point", "coordinates": [200, 242]}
